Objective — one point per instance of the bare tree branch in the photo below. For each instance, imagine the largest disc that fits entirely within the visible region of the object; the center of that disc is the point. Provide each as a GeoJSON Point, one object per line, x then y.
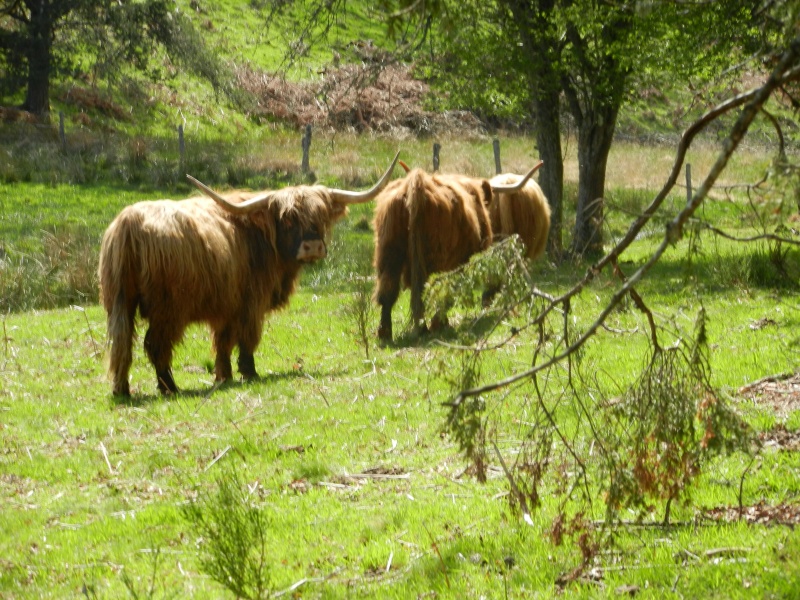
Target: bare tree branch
{"type": "Point", "coordinates": [754, 238]}
{"type": "Point", "coordinates": [787, 69]}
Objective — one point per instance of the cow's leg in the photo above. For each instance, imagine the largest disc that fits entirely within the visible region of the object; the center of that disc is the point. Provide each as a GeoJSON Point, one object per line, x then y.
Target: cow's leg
{"type": "Point", "coordinates": [121, 322]}
{"type": "Point", "coordinates": [224, 341]}
{"type": "Point", "coordinates": [488, 295]}
{"type": "Point", "coordinates": [247, 363]}
{"type": "Point", "coordinates": [158, 343]}
{"type": "Point", "coordinates": [248, 342]}
{"type": "Point", "coordinates": [439, 321]}
{"type": "Point", "coordinates": [386, 293]}
{"type": "Point", "coordinates": [418, 310]}
{"type": "Point", "coordinates": [389, 268]}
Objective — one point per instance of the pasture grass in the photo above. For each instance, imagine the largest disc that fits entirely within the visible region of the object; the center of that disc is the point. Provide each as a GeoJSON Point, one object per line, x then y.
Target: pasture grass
{"type": "Point", "coordinates": [362, 494]}
{"type": "Point", "coordinates": [339, 444]}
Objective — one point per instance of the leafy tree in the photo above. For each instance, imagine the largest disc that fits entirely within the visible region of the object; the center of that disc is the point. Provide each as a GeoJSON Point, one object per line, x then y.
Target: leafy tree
{"type": "Point", "coordinates": [490, 44]}
{"type": "Point", "coordinates": [42, 39]}
{"type": "Point", "coordinates": [579, 57]}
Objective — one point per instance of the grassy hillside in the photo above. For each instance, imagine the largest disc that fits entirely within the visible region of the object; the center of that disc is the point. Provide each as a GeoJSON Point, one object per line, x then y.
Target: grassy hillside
{"type": "Point", "coordinates": [248, 38]}
{"type": "Point", "coordinates": [123, 129]}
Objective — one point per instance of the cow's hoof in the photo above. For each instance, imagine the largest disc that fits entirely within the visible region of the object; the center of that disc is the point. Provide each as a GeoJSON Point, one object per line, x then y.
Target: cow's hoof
{"type": "Point", "coordinates": [385, 333]}
{"type": "Point", "coordinates": [166, 383]}
{"type": "Point", "coordinates": [247, 366]}
{"type": "Point", "coordinates": [488, 297]}
{"type": "Point", "coordinates": [437, 324]}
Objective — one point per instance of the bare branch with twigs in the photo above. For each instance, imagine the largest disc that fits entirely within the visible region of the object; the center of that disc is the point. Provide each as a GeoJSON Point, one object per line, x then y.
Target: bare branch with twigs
{"type": "Point", "coordinates": [753, 101]}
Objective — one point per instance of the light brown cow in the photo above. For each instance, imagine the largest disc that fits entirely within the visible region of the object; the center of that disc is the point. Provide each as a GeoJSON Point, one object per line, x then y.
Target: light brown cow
{"type": "Point", "coordinates": [525, 212]}
{"type": "Point", "coordinates": [225, 260]}
{"type": "Point", "coordinates": [427, 223]}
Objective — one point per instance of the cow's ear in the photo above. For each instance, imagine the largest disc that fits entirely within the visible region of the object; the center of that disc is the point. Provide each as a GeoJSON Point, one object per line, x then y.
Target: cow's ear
{"type": "Point", "coordinates": [487, 192]}
{"type": "Point", "coordinates": [337, 211]}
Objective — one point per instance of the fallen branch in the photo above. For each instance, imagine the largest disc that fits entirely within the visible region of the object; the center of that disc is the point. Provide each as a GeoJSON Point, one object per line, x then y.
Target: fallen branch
{"type": "Point", "coordinates": [296, 585]}
{"type": "Point", "coordinates": [378, 476]}
{"type": "Point", "coordinates": [768, 379]}
{"type": "Point", "coordinates": [219, 456]}
{"type": "Point", "coordinates": [105, 456]}
{"type": "Point", "coordinates": [752, 102]}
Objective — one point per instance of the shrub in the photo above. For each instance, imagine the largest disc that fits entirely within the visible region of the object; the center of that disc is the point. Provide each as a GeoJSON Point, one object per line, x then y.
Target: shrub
{"type": "Point", "coordinates": [234, 537]}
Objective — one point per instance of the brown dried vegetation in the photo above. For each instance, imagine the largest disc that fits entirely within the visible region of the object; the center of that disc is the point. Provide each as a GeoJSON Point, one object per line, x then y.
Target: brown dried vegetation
{"type": "Point", "coordinates": [385, 99]}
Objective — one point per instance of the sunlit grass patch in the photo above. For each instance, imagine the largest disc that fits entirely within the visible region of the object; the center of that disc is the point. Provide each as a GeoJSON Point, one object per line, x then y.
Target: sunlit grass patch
{"type": "Point", "coordinates": [340, 444]}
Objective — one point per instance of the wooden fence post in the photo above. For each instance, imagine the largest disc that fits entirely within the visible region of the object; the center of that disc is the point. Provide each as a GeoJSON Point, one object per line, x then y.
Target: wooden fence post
{"type": "Point", "coordinates": [181, 146]}
{"type": "Point", "coordinates": [688, 183]}
{"type": "Point", "coordinates": [496, 146]}
{"type": "Point", "coordinates": [436, 147]}
{"type": "Point", "coordinates": [306, 144]}
{"type": "Point", "coordinates": [62, 135]}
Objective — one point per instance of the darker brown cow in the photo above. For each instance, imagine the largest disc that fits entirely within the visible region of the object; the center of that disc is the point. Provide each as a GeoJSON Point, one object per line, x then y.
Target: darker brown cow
{"type": "Point", "coordinates": [426, 223]}
{"type": "Point", "coordinates": [225, 260]}
{"type": "Point", "coordinates": [524, 210]}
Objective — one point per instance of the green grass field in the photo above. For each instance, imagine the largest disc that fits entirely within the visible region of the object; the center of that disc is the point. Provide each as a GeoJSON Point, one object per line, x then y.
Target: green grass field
{"type": "Point", "coordinates": [339, 448]}
{"type": "Point", "coordinates": [336, 474]}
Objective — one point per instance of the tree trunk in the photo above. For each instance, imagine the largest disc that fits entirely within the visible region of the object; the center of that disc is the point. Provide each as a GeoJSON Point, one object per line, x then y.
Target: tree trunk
{"type": "Point", "coordinates": [532, 18]}
{"type": "Point", "coordinates": [595, 135]}
{"type": "Point", "coordinates": [551, 177]}
{"type": "Point", "coordinates": [39, 55]}
{"type": "Point", "coordinates": [594, 88]}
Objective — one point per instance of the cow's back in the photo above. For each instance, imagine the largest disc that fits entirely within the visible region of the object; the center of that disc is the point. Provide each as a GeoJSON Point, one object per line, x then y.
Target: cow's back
{"type": "Point", "coordinates": [453, 221]}
{"type": "Point", "coordinates": [189, 258]}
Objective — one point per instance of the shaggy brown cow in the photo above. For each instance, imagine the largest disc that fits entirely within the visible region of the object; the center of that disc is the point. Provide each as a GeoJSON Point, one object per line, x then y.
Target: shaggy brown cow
{"type": "Point", "coordinates": [226, 260]}
{"type": "Point", "coordinates": [427, 223]}
{"type": "Point", "coordinates": [525, 212]}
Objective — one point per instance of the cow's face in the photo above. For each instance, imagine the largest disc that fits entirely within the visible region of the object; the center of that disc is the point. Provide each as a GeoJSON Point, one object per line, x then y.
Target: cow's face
{"type": "Point", "coordinates": [296, 244]}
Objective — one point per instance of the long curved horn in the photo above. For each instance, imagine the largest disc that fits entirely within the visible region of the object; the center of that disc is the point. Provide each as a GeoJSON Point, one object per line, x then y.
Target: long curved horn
{"type": "Point", "coordinates": [507, 189]}
{"type": "Point", "coordinates": [343, 196]}
{"type": "Point", "coordinates": [348, 197]}
{"type": "Point", "coordinates": [406, 168]}
{"type": "Point", "coordinates": [232, 207]}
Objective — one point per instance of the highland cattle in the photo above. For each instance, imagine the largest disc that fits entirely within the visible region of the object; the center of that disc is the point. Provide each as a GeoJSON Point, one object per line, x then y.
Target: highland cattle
{"type": "Point", "coordinates": [427, 223]}
{"type": "Point", "coordinates": [226, 260]}
{"type": "Point", "coordinates": [525, 212]}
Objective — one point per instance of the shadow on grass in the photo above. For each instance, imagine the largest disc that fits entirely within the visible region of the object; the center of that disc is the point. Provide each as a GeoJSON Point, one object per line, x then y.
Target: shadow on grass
{"type": "Point", "coordinates": [142, 399]}
{"type": "Point", "coordinates": [469, 329]}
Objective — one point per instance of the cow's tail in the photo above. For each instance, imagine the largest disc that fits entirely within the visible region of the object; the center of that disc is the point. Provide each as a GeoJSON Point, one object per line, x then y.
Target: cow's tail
{"type": "Point", "coordinates": [418, 273]}
{"type": "Point", "coordinates": [119, 295]}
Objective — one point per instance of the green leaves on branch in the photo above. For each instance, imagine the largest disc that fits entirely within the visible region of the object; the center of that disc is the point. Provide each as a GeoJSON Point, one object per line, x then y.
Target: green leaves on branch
{"type": "Point", "coordinates": [665, 428]}
{"type": "Point", "coordinates": [501, 270]}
